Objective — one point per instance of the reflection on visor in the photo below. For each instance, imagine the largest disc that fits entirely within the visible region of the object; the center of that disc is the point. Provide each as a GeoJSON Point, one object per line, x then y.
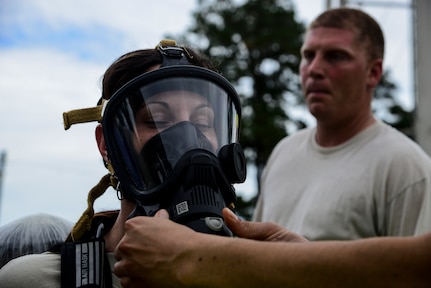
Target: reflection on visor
{"type": "Point", "coordinates": [139, 115]}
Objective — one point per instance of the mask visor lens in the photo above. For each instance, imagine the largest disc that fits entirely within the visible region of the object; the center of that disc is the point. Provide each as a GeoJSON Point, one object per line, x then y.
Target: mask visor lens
{"type": "Point", "coordinates": [144, 111]}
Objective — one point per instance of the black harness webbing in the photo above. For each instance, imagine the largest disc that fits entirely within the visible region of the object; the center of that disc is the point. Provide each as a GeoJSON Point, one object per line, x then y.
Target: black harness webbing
{"type": "Point", "coordinates": [85, 264]}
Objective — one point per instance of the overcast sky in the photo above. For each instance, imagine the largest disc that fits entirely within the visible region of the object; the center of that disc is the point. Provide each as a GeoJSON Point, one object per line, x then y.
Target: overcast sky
{"type": "Point", "coordinates": [52, 55]}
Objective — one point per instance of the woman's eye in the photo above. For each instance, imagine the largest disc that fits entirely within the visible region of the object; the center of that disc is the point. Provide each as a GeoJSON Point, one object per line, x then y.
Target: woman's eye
{"type": "Point", "coordinates": [203, 118]}
{"type": "Point", "coordinates": [203, 127]}
{"type": "Point", "coordinates": [204, 124]}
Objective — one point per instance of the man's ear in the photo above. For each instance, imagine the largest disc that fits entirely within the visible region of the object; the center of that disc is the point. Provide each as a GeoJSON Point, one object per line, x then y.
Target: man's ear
{"type": "Point", "coordinates": [101, 142]}
{"type": "Point", "coordinates": [375, 73]}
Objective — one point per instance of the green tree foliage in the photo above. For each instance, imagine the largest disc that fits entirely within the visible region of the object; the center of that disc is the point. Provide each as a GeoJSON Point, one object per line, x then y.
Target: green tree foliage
{"type": "Point", "coordinates": [387, 108]}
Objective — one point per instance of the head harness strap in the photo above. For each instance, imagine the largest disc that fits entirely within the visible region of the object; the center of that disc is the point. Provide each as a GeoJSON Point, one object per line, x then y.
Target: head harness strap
{"type": "Point", "coordinates": [173, 54]}
{"type": "Point", "coordinates": [83, 115]}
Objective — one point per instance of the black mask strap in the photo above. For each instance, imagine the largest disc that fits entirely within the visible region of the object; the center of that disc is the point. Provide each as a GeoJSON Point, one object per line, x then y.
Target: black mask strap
{"type": "Point", "coordinates": [173, 54]}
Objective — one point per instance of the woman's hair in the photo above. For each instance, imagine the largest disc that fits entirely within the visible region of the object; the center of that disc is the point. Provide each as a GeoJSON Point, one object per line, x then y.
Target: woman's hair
{"type": "Point", "coordinates": [32, 234]}
{"type": "Point", "coordinates": [367, 30]}
{"type": "Point", "coordinates": [135, 63]}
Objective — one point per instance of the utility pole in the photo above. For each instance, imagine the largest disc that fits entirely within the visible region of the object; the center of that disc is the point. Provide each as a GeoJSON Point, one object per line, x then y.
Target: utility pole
{"type": "Point", "coordinates": [341, 3]}
{"type": "Point", "coordinates": [2, 165]}
{"type": "Point", "coordinates": [422, 69]}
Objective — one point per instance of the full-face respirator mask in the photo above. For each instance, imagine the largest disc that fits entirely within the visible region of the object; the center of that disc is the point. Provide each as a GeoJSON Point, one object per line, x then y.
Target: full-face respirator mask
{"type": "Point", "coordinates": [172, 140]}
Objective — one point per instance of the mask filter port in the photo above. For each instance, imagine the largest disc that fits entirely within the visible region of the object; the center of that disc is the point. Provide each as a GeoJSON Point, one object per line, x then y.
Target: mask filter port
{"type": "Point", "coordinates": [214, 223]}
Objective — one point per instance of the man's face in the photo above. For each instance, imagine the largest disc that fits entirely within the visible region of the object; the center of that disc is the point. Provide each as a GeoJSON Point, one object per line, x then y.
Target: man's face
{"type": "Point", "coordinates": [335, 75]}
{"type": "Point", "coordinates": [169, 108]}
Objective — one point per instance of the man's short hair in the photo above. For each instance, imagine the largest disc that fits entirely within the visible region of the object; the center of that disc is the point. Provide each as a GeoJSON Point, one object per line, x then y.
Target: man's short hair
{"type": "Point", "coordinates": [367, 30]}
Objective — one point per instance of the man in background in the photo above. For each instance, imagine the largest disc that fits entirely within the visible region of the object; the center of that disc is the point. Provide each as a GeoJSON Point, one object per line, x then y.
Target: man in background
{"type": "Point", "coordinates": [351, 176]}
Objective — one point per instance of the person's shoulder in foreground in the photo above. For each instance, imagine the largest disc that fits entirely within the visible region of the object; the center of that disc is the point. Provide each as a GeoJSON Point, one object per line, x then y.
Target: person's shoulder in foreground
{"type": "Point", "coordinates": [34, 270]}
{"type": "Point", "coordinates": [40, 270]}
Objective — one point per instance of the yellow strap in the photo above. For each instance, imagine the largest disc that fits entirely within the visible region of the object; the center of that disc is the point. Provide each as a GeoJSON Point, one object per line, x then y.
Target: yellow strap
{"type": "Point", "coordinates": [84, 222]}
{"type": "Point", "coordinates": [82, 116]}
{"type": "Point", "coordinates": [167, 42]}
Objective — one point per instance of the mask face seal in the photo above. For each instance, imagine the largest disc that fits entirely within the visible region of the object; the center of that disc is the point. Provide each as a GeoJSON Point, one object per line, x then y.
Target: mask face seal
{"type": "Point", "coordinates": [171, 135]}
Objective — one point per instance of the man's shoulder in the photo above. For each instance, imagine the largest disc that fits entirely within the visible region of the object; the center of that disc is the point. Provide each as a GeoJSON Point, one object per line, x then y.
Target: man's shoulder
{"type": "Point", "coordinates": [298, 136]}
{"type": "Point", "coordinates": [39, 270]}
{"type": "Point", "coordinates": [389, 133]}
{"type": "Point", "coordinates": [395, 143]}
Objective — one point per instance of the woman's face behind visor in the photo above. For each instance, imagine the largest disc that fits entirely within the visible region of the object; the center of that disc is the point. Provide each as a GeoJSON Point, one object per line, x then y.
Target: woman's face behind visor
{"type": "Point", "coordinates": [166, 109]}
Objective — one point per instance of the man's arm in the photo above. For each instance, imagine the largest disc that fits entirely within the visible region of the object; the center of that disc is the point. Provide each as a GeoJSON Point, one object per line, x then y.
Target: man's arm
{"type": "Point", "coordinates": [159, 252]}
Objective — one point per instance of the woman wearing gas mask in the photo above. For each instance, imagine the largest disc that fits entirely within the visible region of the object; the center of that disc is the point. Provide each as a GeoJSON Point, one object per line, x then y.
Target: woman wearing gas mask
{"type": "Point", "coordinates": [168, 134]}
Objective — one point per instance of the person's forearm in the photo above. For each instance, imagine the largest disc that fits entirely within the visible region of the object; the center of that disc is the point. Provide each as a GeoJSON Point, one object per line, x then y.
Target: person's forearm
{"type": "Point", "coordinates": [378, 262]}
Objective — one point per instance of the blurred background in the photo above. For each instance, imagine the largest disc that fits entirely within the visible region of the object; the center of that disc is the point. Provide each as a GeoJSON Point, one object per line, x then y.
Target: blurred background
{"type": "Point", "coordinates": [54, 53]}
